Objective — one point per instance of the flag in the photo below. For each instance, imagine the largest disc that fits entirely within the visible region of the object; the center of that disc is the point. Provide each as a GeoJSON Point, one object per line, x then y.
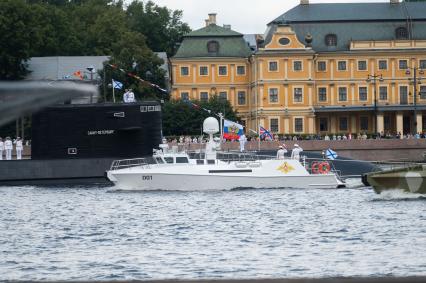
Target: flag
{"type": "Point", "coordinates": [117, 84]}
{"type": "Point", "coordinates": [330, 154]}
{"type": "Point", "coordinates": [232, 130]}
{"type": "Point", "coordinates": [263, 133]}
{"type": "Point", "coordinates": [78, 74]}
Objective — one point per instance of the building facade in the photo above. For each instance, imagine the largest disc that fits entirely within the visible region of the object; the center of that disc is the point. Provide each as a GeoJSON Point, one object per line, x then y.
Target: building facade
{"type": "Point", "coordinates": [321, 69]}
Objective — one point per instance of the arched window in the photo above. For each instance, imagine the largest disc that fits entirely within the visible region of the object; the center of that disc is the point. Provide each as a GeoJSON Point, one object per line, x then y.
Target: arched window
{"type": "Point", "coordinates": [401, 33]}
{"type": "Point", "coordinates": [213, 46]}
{"type": "Point", "coordinates": [331, 40]}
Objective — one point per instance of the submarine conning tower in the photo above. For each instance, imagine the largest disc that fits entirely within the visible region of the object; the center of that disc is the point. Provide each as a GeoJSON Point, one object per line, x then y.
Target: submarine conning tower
{"type": "Point", "coordinates": [73, 131]}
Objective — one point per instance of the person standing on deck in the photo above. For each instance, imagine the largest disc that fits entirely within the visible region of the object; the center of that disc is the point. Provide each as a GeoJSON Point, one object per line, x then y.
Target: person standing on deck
{"type": "Point", "coordinates": [295, 153]}
{"type": "Point", "coordinates": [8, 146]}
{"type": "Point", "coordinates": [19, 148]}
{"type": "Point", "coordinates": [1, 148]}
{"type": "Point", "coordinates": [281, 152]}
{"type": "Point", "coordinates": [242, 139]}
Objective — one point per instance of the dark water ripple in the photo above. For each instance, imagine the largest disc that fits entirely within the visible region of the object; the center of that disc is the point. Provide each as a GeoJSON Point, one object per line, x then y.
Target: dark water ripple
{"type": "Point", "coordinates": [96, 234]}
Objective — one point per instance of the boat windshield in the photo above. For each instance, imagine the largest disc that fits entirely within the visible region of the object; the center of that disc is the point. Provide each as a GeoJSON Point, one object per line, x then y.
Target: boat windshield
{"type": "Point", "coordinates": [159, 160]}
{"type": "Point", "coordinates": [168, 159]}
{"type": "Point", "coordinates": [182, 160]}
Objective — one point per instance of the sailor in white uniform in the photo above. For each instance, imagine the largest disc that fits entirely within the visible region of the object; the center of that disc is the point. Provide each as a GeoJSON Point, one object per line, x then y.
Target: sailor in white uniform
{"type": "Point", "coordinates": [242, 141]}
{"type": "Point", "coordinates": [129, 96]}
{"type": "Point", "coordinates": [19, 148]}
{"type": "Point", "coordinates": [1, 148]}
{"type": "Point", "coordinates": [295, 153]}
{"type": "Point", "coordinates": [8, 146]}
{"type": "Point", "coordinates": [281, 152]}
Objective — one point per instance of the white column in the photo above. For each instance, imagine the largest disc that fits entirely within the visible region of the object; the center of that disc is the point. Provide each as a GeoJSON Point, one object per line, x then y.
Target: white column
{"type": "Point", "coordinates": [399, 123]}
{"type": "Point", "coordinates": [380, 123]}
{"type": "Point", "coordinates": [419, 120]}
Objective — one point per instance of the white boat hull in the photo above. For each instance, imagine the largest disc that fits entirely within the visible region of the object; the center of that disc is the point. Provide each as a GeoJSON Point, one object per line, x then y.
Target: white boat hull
{"type": "Point", "coordinates": [221, 177]}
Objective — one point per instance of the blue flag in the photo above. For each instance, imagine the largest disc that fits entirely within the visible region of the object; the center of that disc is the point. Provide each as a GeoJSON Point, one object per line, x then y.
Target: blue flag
{"type": "Point", "coordinates": [330, 154]}
{"type": "Point", "coordinates": [117, 84]}
{"type": "Point", "coordinates": [265, 133]}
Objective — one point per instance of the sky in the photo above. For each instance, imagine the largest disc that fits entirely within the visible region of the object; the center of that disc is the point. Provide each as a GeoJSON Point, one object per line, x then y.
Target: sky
{"type": "Point", "coordinates": [244, 16]}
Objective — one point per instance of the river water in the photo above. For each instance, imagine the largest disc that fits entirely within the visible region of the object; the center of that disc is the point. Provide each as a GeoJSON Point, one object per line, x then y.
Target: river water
{"type": "Point", "coordinates": [101, 234]}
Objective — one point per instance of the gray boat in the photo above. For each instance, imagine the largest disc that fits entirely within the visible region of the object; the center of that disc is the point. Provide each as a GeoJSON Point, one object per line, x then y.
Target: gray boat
{"type": "Point", "coordinates": [411, 179]}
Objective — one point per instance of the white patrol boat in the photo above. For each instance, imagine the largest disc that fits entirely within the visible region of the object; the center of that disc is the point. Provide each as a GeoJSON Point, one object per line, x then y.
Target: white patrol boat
{"type": "Point", "coordinates": [173, 170]}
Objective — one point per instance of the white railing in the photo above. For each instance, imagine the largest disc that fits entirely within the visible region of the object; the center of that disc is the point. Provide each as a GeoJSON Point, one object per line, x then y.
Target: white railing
{"type": "Point", "coordinates": [127, 163]}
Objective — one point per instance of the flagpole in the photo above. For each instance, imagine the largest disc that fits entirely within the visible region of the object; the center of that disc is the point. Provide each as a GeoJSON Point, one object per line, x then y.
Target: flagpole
{"type": "Point", "coordinates": [113, 91]}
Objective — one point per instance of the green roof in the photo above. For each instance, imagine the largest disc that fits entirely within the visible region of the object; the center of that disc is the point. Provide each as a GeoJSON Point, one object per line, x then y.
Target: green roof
{"type": "Point", "coordinates": [213, 30]}
{"type": "Point", "coordinates": [231, 43]}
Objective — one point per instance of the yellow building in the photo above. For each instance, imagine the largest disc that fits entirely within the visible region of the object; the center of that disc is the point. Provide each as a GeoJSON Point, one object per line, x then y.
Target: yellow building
{"type": "Point", "coordinates": [321, 69]}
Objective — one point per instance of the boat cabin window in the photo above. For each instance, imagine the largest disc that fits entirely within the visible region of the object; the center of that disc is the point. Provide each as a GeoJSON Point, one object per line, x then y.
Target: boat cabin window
{"type": "Point", "coordinates": [200, 162]}
{"type": "Point", "coordinates": [168, 159]}
{"type": "Point", "coordinates": [182, 160]}
{"type": "Point", "coordinates": [159, 160]}
{"type": "Point", "coordinates": [211, 161]}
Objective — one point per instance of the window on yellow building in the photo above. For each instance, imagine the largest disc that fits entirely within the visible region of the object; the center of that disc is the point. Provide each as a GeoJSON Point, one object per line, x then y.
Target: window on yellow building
{"type": "Point", "coordinates": [184, 96]}
{"type": "Point", "coordinates": [322, 66]}
{"type": "Point", "coordinates": [403, 95]}
{"type": "Point", "coordinates": [343, 124]}
{"type": "Point", "coordinates": [204, 96]}
{"type": "Point", "coordinates": [383, 64]}
{"type": "Point", "coordinates": [403, 64]}
{"type": "Point", "coordinates": [298, 94]}
{"type": "Point", "coordinates": [341, 65]}
{"type": "Point", "coordinates": [273, 66]}
{"type": "Point", "coordinates": [362, 93]}
{"type": "Point", "coordinates": [323, 124]}
{"type": "Point", "coordinates": [274, 125]}
{"type": "Point", "coordinates": [241, 70]}
{"type": "Point", "coordinates": [422, 92]}
{"type": "Point", "coordinates": [363, 123]}
{"type": "Point", "coordinates": [322, 94]}
{"type": "Point", "coordinates": [362, 65]}
{"type": "Point", "coordinates": [298, 125]}
{"type": "Point", "coordinates": [223, 95]}
{"type": "Point", "coordinates": [383, 93]}
{"type": "Point", "coordinates": [204, 71]}
{"type": "Point", "coordinates": [184, 71]}
{"type": "Point", "coordinates": [343, 94]}
{"type": "Point", "coordinates": [273, 95]}
{"type": "Point", "coordinates": [297, 66]}
{"type": "Point", "coordinates": [422, 64]}
{"type": "Point", "coordinates": [241, 97]}
{"type": "Point", "coordinates": [223, 71]}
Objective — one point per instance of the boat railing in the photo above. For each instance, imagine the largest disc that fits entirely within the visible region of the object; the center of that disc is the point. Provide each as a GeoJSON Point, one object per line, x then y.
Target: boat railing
{"type": "Point", "coordinates": [127, 163]}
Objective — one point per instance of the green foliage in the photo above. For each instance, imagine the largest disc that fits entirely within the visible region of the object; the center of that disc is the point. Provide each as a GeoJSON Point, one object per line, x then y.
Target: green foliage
{"type": "Point", "coordinates": [31, 28]}
{"type": "Point", "coordinates": [180, 118]}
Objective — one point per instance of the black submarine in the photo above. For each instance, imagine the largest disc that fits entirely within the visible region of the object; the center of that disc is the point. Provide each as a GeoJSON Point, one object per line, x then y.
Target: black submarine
{"type": "Point", "coordinates": [76, 143]}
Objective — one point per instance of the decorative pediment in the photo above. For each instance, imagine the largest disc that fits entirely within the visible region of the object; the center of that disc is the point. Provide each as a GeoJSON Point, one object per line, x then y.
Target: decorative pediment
{"type": "Point", "coordinates": [285, 38]}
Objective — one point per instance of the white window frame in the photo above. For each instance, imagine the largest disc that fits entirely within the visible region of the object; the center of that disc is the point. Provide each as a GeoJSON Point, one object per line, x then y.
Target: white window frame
{"type": "Point", "coordinates": [366, 65]}
{"type": "Point", "coordinates": [199, 70]}
{"type": "Point", "coordinates": [269, 66]}
{"type": "Point", "coordinates": [408, 62]}
{"type": "Point", "coordinates": [359, 98]}
{"type": "Point", "coordinates": [270, 124]}
{"type": "Point", "coordinates": [338, 93]}
{"type": "Point", "coordinates": [303, 124]}
{"type": "Point", "coordinates": [387, 93]}
{"type": "Point", "coordinates": [326, 93]}
{"type": "Point", "coordinates": [245, 99]}
{"type": "Point", "coordinates": [303, 95]}
{"type": "Point", "coordinates": [184, 66]}
{"type": "Point", "coordinates": [245, 70]}
{"type": "Point", "coordinates": [218, 72]}
{"type": "Point", "coordinates": [346, 63]}
{"type": "Point", "coordinates": [278, 95]}
{"type": "Point", "coordinates": [378, 64]}
{"type": "Point", "coordinates": [301, 65]}
{"type": "Point", "coordinates": [326, 67]}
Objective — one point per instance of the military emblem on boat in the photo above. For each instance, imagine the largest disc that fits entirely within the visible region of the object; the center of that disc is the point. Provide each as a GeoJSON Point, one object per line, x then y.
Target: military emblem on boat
{"type": "Point", "coordinates": [285, 168]}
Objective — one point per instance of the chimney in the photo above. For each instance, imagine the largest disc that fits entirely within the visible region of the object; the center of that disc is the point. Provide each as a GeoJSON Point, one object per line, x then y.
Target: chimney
{"type": "Point", "coordinates": [212, 18]}
{"type": "Point", "coordinates": [227, 26]}
{"type": "Point", "coordinates": [394, 1]}
{"type": "Point", "coordinates": [304, 2]}
{"type": "Point", "coordinates": [207, 22]}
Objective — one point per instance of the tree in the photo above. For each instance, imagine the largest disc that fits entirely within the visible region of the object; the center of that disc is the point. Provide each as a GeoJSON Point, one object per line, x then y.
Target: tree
{"type": "Point", "coordinates": [180, 118]}
{"type": "Point", "coordinates": [161, 26]}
